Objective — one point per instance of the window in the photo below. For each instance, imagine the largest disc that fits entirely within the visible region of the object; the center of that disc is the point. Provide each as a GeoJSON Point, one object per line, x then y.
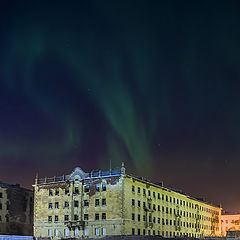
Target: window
{"type": "Point", "coordinates": [149, 193]}
{"type": "Point", "coordinates": [104, 187]}
{"type": "Point", "coordinates": [7, 218]}
{"type": "Point", "coordinates": [139, 190]}
{"type": "Point", "coordinates": [139, 232]}
{"type": "Point", "coordinates": [85, 232]}
{"type": "Point", "coordinates": [144, 204]}
{"type": "Point", "coordinates": [144, 192]}
{"type": "Point", "coordinates": [133, 189]}
{"type": "Point", "coordinates": [144, 232]}
{"type": "Point", "coordinates": [0, 194]}
{"type": "Point", "coordinates": [103, 216]}
{"type": "Point", "coordinates": [85, 216]}
{"type": "Point", "coordinates": [66, 204]}
{"type": "Point", "coordinates": [104, 232]}
{"type": "Point", "coordinates": [154, 219]}
{"type": "Point", "coordinates": [76, 217]}
{"type": "Point", "coordinates": [104, 201]}
{"type": "Point", "coordinates": [50, 192]}
{"type": "Point", "coordinates": [66, 232]}
{"type": "Point", "coordinates": [139, 203]}
{"type": "Point", "coordinates": [56, 204]}
{"type": "Point", "coordinates": [56, 232]}
{"type": "Point", "coordinates": [86, 188]}
{"type": "Point", "coordinates": [56, 218]}
{"type": "Point", "coordinates": [133, 231]}
{"type": "Point", "coordinates": [50, 232]}
{"type": "Point", "coordinates": [97, 231]}
{"type": "Point", "coordinates": [0, 218]}
{"type": "Point", "coordinates": [133, 216]}
{"type": "Point", "coordinates": [86, 203]}
{"type": "Point", "coordinates": [50, 206]}
{"type": "Point", "coordinates": [154, 195]}
{"type": "Point", "coordinates": [158, 220]}
{"type": "Point", "coordinates": [158, 195]}
{"type": "Point", "coordinates": [0, 205]}
{"type": "Point", "coordinates": [97, 202]}
{"type": "Point", "coordinates": [139, 217]}
{"type": "Point", "coordinates": [158, 207]}
{"type": "Point", "coordinates": [66, 190]}
{"type": "Point", "coordinates": [97, 188]}
{"type": "Point", "coordinates": [75, 203]}
{"type": "Point", "coordinates": [76, 232]}
{"type": "Point", "coordinates": [97, 216]}
{"type": "Point", "coordinates": [162, 197]}
{"type": "Point", "coordinates": [76, 190]}
{"type": "Point", "coordinates": [150, 218]}
{"type": "Point", "coordinates": [133, 202]}
{"type": "Point", "coordinates": [49, 218]}
{"type": "Point", "coordinates": [167, 198]}
{"type": "Point", "coordinates": [66, 217]}
{"type": "Point", "coordinates": [154, 207]}
{"type": "Point", "coordinates": [57, 193]}
{"type": "Point", "coordinates": [144, 218]}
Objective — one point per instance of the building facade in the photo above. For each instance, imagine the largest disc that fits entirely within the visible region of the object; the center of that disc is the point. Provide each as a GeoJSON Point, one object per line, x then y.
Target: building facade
{"type": "Point", "coordinates": [16, 210]}
{"type": "Point", "coordinates": [100, 203]}
{"type": "Point", "coordinates": [230, 222]}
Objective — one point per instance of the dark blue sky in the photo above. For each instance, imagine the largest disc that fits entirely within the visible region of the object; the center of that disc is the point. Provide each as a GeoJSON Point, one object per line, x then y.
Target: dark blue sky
{"type": "Point", "coordinates": [153, 84]}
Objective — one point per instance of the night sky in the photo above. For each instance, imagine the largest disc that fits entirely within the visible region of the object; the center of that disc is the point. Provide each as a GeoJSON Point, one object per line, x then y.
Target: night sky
{"type": "Point", "coordinates": [152, 83]}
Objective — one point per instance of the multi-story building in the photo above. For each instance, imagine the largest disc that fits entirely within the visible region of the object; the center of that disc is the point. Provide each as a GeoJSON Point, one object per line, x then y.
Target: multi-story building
{"type": "Point", "coordinates": [16, 210]}
{"type": "Point", "coordinates": [230, 222]}
{"type": "Point", "coordinates": [113, 203]}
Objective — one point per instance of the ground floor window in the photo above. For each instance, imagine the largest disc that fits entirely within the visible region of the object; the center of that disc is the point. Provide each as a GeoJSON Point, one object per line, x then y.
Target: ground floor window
{"type": "Point", "coordinates": [76, 232]}
{"type": "Point", "coordinates": [66, 232]}
{"type": "Point", "coordinates": [133, 231]}
{"type": "Point", "coordinates": [49, 232]}
{"type": "Point", "coordinates": [104, 231]}
{"type": "Point", "coordinates": [97, 231]}
{"type": "Point", "coordinates": [56, 232]}
{"type": "Point", "coordinates": [139, 233]}
{"type": "Point", "coordinates": [86, 232]}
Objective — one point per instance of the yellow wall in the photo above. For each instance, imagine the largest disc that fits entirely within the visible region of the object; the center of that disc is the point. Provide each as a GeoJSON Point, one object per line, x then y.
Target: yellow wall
{"type": "Point", "coordinates": [208, 223]}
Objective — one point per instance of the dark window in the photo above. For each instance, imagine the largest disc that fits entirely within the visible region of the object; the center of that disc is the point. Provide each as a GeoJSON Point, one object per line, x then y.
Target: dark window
{"type": "Point", "coordinates": [75, 217]}
{"type": "Point", "coordinates": [86, 188]}
{"type": "Point", "coordinates": [139, 203]}
{"type": "Point", "coordinates": [158, 207]}
{"type": "Point", "coordinates": [104, 201]}
{"type": "Point", "coordinates": [7, 218]}
{"type": "Point", "coordinates": [66, 204]}
{"type": "Point", "coordinates": [97, 188]}
{"type": "Point", "coordinates": [162, 197]}
{"type": "Point", "coordinates": [133, 216]}
{"type": "Point", "coordinates": [0, 218]}
{"type": "Point", "coordinates": [133, 231]}
{"type": "Point", "coordinates": [144, 218]}
{"type": "Point", "coordinates": [144, 204]}
{"type": "Point", "coordinates": [138, 189]}
{"type": "Point", "coordinates": [158, 220]}
{"type": "Point", "coordinates": [154, 195]}
{"type": "Point", "coordinates": [154, 220]}
{"type": "Point", "coordinates": [154, 207]}
{"type": "Point", "coordinates": [158, 195]}
{"type": "Point", "coordinates": [97, 216]}
{"type": "Point", "coordinates": [97, 202]}
{"type": "Point", "coordinates": [66, 217]}
{"type": "Point", "coordinates": [0, 195]}
{"type": "Point", "coordinates": [167, 198]}
{"type": "Point", "coordinates": [50, 192]}
{"type": "Point", "coordinates": [139, 232]}
{"type": "Point", "coordinates": [49, 218]}
{"type": "Point", "coordinates": [162, 221]}
{"type": "Point", "coordinates": [50, 205]}
{"type": "Point", "coordinates": [103, 216]}
{"type": "Point", "coordinates": [150, 218]}
{"type": "Point", "coordinates": [144, 191]}
{"type": "Point", "coordinates": [149, 193]}
{"type": "Point", "coordinates": [86, 203]}
{"type": "Point", "coordinates": [56, 204]}
{"type": "Point", "coordinates": [76, 190]}
{"type": "Point", "coordinates": [133, 189]}
{"type": "Point", "coordinates": [56, 218]}
{"type": "Point", "coordinates": [85, 216]}
{"type": "Point", "coordinates": [66, 190]}
{"type": "Point", "coordinates": [57, 192]}
{"type": "Point", "coordinates": [133, 202]}
{"type": "Point", "coordinates": [104, 187]}
{"type": "Point", "coordinates": [75, 203]}
{"type": "Point", "coordinates": [139, 217]}
{"type": "Point", "coordinates": [144, 232]}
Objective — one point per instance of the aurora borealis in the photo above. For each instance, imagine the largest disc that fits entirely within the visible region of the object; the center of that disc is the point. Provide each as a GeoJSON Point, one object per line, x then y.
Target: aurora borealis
{"type": "Point", "coordinates": [153, 84]}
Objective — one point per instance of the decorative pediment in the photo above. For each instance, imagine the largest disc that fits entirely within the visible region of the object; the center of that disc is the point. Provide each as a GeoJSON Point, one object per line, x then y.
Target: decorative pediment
{"type": "Point", "coordinates": [77, 174]}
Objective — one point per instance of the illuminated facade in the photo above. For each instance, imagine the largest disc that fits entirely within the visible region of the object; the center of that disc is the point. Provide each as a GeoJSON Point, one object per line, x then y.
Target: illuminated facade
{"type": "Point", "coordinates": [114, 203]}
{"type": "Point", "coordinates": [230, 222]}
{"type": "Point", "coordinates": [16, 210]}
